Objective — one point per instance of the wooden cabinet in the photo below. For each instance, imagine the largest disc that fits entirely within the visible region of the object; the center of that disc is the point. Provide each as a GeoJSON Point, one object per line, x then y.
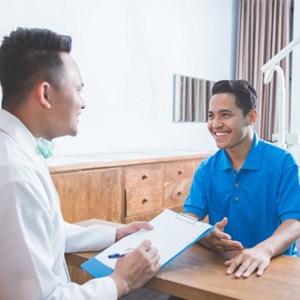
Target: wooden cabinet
{"type": "Point", "coordinates": [124, 191]}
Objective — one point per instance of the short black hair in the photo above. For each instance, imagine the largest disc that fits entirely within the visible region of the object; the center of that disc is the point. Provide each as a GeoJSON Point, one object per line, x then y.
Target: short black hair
{"type": "Point", "coordinates": [28, 56]}
{"type": "Point", "coordinates": [245, 94]}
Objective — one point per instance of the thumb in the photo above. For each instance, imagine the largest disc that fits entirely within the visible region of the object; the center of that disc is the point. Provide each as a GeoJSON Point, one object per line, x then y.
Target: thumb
{"type": "Point", "coordinates": [220, 225]}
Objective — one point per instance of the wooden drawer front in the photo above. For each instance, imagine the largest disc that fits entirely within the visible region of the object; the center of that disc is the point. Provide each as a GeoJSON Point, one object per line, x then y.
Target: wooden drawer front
{"type": "Point", "coordinates": [175, 193]}
{"type": "Point", "coordinates": [144, 175]}
{"type": "Point", "coordinates": [177, 171]}
{"type": "Point", "coordinates": [141, 200]}
{"type": "Point", "coordinates": [90, 194]}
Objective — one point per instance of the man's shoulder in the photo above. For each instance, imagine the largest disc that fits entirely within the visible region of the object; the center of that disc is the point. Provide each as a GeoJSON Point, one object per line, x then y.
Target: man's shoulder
{"type": "Point", "coordinates": [274, 155]}
{"type": "Point", "coordinates": [272, 149]}
{"type": "Point", "coordinates": [213, 159]}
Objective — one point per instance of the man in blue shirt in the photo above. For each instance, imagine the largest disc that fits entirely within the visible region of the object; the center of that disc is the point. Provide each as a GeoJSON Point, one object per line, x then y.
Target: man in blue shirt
{"type": "Point", "coordinates": [249, 188]}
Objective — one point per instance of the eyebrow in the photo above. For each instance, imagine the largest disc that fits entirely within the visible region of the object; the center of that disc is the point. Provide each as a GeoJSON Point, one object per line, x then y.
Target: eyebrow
{"type": "Point", "coordinates": [222, 111]}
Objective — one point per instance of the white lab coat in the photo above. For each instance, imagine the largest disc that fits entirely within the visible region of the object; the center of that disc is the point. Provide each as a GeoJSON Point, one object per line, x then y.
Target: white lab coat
{"type": "Point", "coordinates": [33, 234]}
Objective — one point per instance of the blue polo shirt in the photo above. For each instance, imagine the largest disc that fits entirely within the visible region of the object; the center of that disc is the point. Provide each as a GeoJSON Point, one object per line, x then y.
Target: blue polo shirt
{"type": "Point", "coordinates": [256, 200]}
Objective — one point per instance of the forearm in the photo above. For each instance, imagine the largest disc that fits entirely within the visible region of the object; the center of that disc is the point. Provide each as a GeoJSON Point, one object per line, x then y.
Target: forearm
{"type": "Point", "coordinates": [91, 238]}
{"type": "Point", "coordinates": [284, 236]}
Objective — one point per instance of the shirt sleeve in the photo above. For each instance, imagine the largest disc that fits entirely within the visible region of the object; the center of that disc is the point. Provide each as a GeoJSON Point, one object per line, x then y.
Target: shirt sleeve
{"type": "Point", "coordinates": [99, 288]}
{"type": "Point", "coordinates": [32, 236]}
{"type": "Point", "coordinates": [288, 200]}
{"type": "Point", "coordinates": [91, 238]}
{"type": "Point", "coordinates": [196, 201]}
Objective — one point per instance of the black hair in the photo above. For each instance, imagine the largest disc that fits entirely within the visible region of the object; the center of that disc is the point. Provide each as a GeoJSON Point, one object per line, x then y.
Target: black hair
{"type": "Point", "coordinates": [28, 56]}
{"type": "Point", "coordinates": [245, 94]}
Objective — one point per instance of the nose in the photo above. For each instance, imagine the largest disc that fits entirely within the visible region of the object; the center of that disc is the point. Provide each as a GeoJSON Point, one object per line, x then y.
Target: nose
{"type": "Point", "coordinates": [217, 123]}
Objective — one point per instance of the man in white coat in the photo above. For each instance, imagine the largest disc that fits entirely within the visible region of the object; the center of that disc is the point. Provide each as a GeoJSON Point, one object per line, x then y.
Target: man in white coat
{"type": "Point", "coordinates": [41, 89]}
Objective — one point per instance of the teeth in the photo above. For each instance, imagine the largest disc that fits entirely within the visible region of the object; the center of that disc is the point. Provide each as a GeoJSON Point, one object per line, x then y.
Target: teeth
{"type": "Point", "coordinates": [221, 133]}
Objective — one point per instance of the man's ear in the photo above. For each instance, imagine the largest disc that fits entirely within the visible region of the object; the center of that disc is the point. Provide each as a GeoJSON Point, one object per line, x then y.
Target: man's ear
{"type": "Point", "coordinates": [253, 116]}
{"type": "Point", "coordinates": [44, 94]}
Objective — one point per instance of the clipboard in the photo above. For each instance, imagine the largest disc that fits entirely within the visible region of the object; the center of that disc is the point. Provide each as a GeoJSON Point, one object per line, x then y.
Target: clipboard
{"type": "Point", "coordinates": [172, 233]}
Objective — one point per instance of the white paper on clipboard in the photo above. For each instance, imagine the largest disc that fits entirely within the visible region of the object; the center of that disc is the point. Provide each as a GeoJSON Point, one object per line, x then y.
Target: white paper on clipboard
{"type": "Point", "coordinates": [172, 233]}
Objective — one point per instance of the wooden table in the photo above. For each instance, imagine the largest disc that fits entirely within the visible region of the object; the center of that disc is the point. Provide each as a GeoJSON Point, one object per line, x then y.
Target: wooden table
{"type": "Point", "coordinates": [200, 274]}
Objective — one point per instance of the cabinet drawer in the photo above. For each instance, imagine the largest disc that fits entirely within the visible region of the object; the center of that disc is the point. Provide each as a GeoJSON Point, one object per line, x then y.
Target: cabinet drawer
{"type": "Point", "coordinates": [141, 200]}
{"type": "Point", "coordinates": [175, 193]}
{"type": "Point", "coordinates": [177, 171]}
{"type": "Point", "coordinates": [144, 175]}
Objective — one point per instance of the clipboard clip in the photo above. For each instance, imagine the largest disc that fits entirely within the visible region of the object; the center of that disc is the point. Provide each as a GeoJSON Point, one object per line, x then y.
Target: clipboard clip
{"type": "Point", "coordinates": [186, 218]}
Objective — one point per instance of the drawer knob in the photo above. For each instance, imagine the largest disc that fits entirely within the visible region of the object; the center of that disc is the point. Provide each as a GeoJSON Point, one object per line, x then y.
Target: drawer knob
{"type": "Point", "coordinates": [145, 200]}
{"type": "Point", "coordinates": [145, 176]}
{"type": "Point", "coordinates": [180, 172]}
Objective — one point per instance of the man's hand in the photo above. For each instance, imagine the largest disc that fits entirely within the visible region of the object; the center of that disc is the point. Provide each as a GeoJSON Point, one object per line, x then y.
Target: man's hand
{"type": "Point", "coordinates": [136, 268]}
{"type": "Point", "coordinates": [132, 227]}
{"type": "Point", "coordinates": [220, 241]}
{"type": "Point", "coordinates": [249, 260]}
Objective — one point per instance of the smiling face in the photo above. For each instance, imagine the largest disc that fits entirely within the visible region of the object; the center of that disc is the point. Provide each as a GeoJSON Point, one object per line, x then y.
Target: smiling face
{"type": "Point", "coordinates": [227, 124]}
{"type": "Point", "coordinates": [66, 100]}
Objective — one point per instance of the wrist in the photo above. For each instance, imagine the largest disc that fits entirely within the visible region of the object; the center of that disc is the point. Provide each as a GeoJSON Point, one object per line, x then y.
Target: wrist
{"type": "Point", "coordinates": [122, 285]}
{"type": "Point", "coordinates": [267, 249]}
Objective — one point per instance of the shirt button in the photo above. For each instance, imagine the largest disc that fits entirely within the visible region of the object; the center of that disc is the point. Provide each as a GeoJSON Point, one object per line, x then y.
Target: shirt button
{"type": "Point", "coordinates": [234, 174]}
{"type": "Point", "coordinates": [236, 185]}
{"type": "Point", "coordinates": [236, 198]}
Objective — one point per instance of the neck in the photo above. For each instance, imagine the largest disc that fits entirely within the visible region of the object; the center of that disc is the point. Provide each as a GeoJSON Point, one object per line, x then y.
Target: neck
{"type": "Point", "coordinates": [239, 153]}
{"type": "Point", "coordinates": [29, 119]}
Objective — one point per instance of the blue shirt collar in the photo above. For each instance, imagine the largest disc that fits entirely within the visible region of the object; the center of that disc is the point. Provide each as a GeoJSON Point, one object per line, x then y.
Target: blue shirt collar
{"type": "Point", "coordinates": [252, 161]}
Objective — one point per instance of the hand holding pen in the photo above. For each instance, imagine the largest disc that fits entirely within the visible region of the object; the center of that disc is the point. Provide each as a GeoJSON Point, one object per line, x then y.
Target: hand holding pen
{"type": "Point", "coordinates": [135, 269]}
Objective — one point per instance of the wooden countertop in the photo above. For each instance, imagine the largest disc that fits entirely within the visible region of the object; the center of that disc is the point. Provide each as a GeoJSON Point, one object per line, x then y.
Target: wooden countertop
{"type": "Point", "coordinates": [64, 163]}
{"type": "Point", "coordinates": [198, 273]}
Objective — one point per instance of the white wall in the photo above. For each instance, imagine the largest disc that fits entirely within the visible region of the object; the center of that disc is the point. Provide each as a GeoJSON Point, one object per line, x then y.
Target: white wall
{"type": "Point", "coordinates": [128, 51]}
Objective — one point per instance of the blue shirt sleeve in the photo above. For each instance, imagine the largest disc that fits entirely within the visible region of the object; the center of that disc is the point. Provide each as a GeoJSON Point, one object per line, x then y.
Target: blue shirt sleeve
{"type": "Point", "coordinates": [288, 200]}
{"type": "Point", "coordinates": [196, 201]}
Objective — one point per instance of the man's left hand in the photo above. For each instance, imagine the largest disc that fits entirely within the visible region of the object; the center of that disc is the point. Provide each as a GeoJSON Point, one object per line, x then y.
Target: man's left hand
{"type": "Point", "coordinates": [247, 262]}
{"type": "Point", "coordinates": [131, 228]}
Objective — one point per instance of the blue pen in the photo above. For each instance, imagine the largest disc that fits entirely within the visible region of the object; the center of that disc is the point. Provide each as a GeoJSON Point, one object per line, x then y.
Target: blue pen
{"type": "Point", "coordinates": [117, 255]}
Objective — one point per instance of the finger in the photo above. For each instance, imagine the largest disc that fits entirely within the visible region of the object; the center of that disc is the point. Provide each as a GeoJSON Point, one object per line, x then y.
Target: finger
{"type": "Point", "coordinates": [243, 267]}
{"type": "Point", "coordinates": [156, 259]}
{"type": "Point", "coordinates": [137, 225]}
{"type": "Point", "coordinates": [224, 222]}
{"type": "Point", "coordinates": [157, 266]}
{"type": "Point", "coordinates": [228, 262]}
{"type": "Point", "coordinates": [145, 245]}
{"type": "Point", "coordinates": [221, 235]}
{"type": "Point", "coordinates": [250, 270]}
{"type": "Point", "coordinates": [232, 265]}
{"type": "Point", "coordinates": [229, 245]}
{"type": "Point", "coordinates": [152, 252]}
{"type": "Point", "coordinates": [231, 268]}
{"type": "Point", "coordinates": [220, 225]}
{"type": "Point", "coordinates": [261, 269]}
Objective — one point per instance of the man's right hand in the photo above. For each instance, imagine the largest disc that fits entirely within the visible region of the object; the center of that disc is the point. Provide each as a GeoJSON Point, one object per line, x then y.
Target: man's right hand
{"type": "Point", "coordinates": [220, 241]}
{"type": "Point", "coordinates": [136, 268]}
